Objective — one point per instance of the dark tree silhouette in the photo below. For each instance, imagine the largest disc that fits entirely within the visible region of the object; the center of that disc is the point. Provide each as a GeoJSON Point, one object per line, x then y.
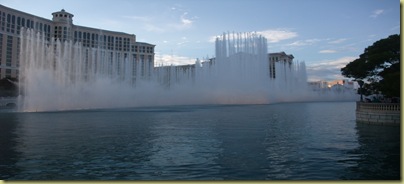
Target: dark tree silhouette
{"type": "Point", "coordinates": [379, 67]}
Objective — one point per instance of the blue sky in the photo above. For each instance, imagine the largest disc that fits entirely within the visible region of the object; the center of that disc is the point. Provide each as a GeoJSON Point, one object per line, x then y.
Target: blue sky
{"type": "Point", "coordinates": [325, 34]}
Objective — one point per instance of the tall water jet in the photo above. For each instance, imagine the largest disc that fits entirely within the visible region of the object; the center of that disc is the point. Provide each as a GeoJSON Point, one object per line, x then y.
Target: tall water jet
{"type": "Point", "coordinates": [57, 75]}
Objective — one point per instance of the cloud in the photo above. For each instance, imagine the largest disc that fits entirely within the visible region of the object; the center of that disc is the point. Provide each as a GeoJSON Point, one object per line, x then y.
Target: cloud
{"type": "Point", "coordinates": [115, 24]}
{"type": "Point", "coordinates": [304, 42]}
{"type": "Point", "coordinates": [276, 35]}
{"type": "Point", "coordinates": [174, 20]}
{"type": "Point", "coordinates": [337, 41]}
{"type": "Point", "coordinates": [186, 21]}
{"type": "Point", "coordinates": [327, 51]}
{"type": "Point", "coordinates": [272, 35]}
{"type": "Point", "coordinates": [395, 28]}
{"type": "Point", "coordinates": [165, 59]}
{"type": "Point", "coordinates": [212, 38]}
{"type": "Point", "coordinates": [376, 13]}
{"type": "Point", "coordinates": [153, 28]}
{"type": "Point", "coordinates": [182, 43]}
{"type": "Point", "coordinates": [327, 70]}
{"type": "Point", "coordinates": [139, 18]}
{"type": "Point", "coordinates": [183, 23]}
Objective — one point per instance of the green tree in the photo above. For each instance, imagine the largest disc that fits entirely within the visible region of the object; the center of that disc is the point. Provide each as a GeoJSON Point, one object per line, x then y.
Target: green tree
{"type": "Point", "coordinates": [379, 67]}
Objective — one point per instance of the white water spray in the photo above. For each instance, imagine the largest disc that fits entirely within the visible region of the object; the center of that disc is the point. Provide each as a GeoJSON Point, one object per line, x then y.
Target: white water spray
{"type": "Point", "coordinates": [58, 75]}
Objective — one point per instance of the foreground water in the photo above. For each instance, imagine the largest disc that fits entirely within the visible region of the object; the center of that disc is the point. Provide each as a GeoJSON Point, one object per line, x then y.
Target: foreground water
{"type": "Point", "coordinates": [292, 141]}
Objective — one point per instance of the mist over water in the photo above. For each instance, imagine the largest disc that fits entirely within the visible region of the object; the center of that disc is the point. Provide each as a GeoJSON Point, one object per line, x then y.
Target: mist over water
{"type": "Point", "coordinates": [58, 75]}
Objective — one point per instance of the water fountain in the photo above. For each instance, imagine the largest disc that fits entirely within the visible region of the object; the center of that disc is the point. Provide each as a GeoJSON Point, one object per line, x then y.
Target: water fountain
{"type": "Point", "coordinates": [58, 75]}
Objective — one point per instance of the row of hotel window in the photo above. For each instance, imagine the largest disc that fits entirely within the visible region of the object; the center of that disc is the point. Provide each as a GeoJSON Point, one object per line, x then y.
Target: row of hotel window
{"type": "Point", "coordinates": [8, 72]}
{"type": "Point", "coordinates": [12, 24]}
{"type": "Point", "coordinates": [9, 50]}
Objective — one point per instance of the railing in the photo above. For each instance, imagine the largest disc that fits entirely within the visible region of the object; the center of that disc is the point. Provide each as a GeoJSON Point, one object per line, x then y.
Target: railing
{"type": "Point", "coordinates": [392, 107]}
{"type": "Point", "coordinates": [4, 101]}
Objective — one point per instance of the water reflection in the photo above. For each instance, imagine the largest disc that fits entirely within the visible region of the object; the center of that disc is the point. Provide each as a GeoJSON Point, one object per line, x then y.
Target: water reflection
{"type": "Point", "coordinates": [9, 139]}
{"type": "Point", "coordinates": [378, 154]}
{"type": "Point", "coordinates": [242, 132]}
{"type": "Point", "coordinates": [82, 145]}
{"type": "Point", "coordinates": [268, 142]}
{"type": "Point", "coordinates": [184, 146]}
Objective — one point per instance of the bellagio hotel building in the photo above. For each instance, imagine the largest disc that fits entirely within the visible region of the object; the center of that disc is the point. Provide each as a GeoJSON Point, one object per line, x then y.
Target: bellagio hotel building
{"type": "Point", "coordinates": [61, 27]}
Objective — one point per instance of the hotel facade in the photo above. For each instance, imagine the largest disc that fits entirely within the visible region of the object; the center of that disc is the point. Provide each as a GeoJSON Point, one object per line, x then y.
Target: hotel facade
{"type": "Point", "coordinates": [61, 27]}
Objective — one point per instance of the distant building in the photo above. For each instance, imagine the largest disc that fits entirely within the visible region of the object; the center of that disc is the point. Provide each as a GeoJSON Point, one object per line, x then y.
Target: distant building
{"type": "Point", "coordinates": [342, 82]}
{"type": "Point", "coordinates": [336, 86]}
{"type": "Point", "coordinates": [278, 57]}
{"type": "Point", "coordinates": [171, 71]}
{"type": "Point", "coordinates": [61, 27]}
{"type": "Point", "coordinates": [318, 85]}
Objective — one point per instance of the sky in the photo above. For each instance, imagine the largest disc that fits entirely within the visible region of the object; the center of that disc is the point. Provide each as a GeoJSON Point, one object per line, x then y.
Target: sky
{"type": "Point", "coordinates": [325, 34]}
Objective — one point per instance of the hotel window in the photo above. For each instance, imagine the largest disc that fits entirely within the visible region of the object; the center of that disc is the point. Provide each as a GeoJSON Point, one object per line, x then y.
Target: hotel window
{"type": "Point", "coordinates": [1, 48]}
{"type": "Point", "coordinates": [92, 39]}
{"type": "Point", "coordinates": [111, 43]}
{"type": "Point", "coordinates": [3, 21]}
{"type": "Point", "coordinates": [64, 33]}
{"type": "Point", "coordinates": [88, 39]}
{"type": "Point", "coordinates": [13, 24]}
{"type": "Point", "coordinates": [49, 28]}
{"type": "Point", "coordinates": [104, 40]}
{"type": "Point", "coordinates": [18, 25]}
{"type": "Point", "coordinates": [8, 22]}
{"type": "Point", "coordinates": [84, 39]}
{"type": "Point", "coordinates": [8, 72]}
{"type": "Point", "coordinates": [9, 50]}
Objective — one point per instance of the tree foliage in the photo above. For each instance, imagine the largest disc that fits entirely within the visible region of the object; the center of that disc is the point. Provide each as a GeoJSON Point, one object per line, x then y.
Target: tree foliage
{"type": "Point", "coordinates": [379, 65]}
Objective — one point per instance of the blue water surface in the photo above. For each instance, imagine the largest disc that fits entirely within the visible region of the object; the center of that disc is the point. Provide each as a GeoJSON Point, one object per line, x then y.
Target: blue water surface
{"type": "Point", "coordinates": [290, 141]}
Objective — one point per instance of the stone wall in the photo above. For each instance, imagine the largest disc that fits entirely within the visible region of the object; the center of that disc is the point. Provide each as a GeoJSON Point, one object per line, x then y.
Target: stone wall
{"type": "Point", "coordinates": [378, 113]}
